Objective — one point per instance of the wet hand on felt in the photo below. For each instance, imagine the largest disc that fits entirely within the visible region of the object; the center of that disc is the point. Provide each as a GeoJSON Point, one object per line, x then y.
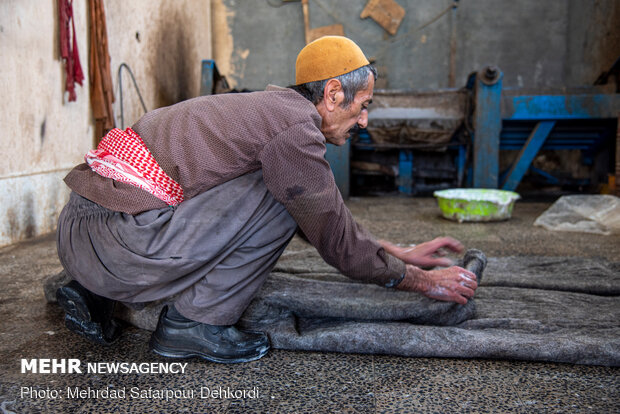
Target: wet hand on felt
{"type": "Point", "coordinates": [453, 284]}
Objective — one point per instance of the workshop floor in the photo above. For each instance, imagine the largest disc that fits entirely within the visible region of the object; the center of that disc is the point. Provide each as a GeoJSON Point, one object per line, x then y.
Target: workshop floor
{"type": "Point", "coordinates": [298, 382]}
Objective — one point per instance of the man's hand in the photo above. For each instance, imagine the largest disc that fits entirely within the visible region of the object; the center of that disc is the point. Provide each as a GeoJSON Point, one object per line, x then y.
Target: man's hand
{"type": "Point", "coordinates": [453, 284]}
{"type": "Point", "coordinates": [429, 254]}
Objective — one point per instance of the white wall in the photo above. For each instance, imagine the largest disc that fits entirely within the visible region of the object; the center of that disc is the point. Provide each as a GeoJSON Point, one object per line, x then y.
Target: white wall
{"type": "Point", "coordinates": [42, 135]}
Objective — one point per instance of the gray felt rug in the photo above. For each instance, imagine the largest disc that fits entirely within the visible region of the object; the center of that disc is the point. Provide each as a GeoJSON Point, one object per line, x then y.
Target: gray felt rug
{"type": "Point", "coordinates": [556, 309]}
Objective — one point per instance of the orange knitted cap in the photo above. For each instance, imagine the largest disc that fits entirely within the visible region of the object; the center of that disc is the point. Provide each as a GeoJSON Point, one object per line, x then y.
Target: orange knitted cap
{"type": "Point", "coordinates": [326, 58]}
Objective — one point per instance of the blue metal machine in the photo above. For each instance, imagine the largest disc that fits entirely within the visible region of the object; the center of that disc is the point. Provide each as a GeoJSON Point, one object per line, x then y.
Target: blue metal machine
{"type": "Point", "coordinates": [499, 119]}
{"type": "Point", "coordinates": [502, 119]}
{"type": "Point", "coordinates": [408, 145]}
{"type": "Point", "coordinates": [508, 119]}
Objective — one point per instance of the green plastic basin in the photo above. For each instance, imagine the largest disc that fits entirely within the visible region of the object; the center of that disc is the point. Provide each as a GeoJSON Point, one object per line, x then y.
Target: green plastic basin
{"type": "Point", "coordinates": [476, 204]}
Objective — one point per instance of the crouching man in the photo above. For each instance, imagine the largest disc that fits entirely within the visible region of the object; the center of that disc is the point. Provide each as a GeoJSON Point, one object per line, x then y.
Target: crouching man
{"type": "Point", "coordinates": [199, 200]}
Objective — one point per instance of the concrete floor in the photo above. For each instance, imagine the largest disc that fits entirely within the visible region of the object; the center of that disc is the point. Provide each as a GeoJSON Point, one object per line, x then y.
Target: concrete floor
{"type": "Point", "coordinates": [286, 381]}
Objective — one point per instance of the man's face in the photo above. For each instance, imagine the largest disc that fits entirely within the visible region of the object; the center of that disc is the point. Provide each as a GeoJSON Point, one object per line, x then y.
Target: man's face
{"type": "Point", "coordinates": [338, 124]}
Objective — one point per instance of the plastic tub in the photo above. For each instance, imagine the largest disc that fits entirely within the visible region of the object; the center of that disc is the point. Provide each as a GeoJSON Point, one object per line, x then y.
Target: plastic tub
{"type": "Point", "coordinates": [476, 204]}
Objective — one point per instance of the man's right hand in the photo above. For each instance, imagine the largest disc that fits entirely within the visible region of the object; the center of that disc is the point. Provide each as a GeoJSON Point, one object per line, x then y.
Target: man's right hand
{"type": "Point", "coordinates": [427, 254]}
{"type": "Point", "coordinates": [452, 284]}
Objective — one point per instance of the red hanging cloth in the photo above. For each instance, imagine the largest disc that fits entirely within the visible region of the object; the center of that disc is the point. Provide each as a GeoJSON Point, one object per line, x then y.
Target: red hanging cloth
{"type": "Point", "coordinates": [68, 48]}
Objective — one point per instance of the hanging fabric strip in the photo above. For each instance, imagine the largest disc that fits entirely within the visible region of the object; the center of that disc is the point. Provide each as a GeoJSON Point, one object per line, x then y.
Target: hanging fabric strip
{"type": "Point", "coordinates": [101, 88]}
{"type": "Point", "coordinates": [68, 48]}
{"type": "Point", "coordinates": [123, 156]}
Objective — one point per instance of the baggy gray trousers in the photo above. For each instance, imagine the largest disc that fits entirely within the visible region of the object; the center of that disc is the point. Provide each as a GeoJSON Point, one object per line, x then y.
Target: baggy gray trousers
{"type": "Point", "coordinates": [214, 250]}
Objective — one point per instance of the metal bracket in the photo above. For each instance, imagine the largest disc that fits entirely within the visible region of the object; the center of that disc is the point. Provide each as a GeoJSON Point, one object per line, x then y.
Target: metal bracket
{"type": "Point", "coordinates": [533, 144]}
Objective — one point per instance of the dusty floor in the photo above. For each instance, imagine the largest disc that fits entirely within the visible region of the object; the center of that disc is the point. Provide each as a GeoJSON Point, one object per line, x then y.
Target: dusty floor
{"type": "Point", "coordinates": [286, 381]}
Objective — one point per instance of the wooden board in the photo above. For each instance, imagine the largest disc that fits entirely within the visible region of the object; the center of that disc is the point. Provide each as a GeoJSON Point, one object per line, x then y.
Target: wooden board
{"type": "Point", "coordinates": [387, 13]}
{"type": "Point", "coordinates": [331, 30]}
{"type": "Point", "coordinates": [313, 34]}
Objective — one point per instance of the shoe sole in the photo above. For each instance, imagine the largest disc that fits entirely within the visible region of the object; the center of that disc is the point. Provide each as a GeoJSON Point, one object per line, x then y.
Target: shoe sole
{"type": "Point", "coordinates": [78, 318]}
{"type": "Point", "coordinates": [73, 303]}
{"type": "Point", "coordinates": [178, 353]}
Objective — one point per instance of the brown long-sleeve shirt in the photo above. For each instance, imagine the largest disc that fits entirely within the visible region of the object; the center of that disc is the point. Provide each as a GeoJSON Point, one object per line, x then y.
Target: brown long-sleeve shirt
{"type": "Point", "coordinates": [206, 141]}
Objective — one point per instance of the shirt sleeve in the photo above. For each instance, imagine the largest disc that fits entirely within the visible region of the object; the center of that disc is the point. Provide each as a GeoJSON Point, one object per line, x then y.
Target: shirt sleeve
{"type": "Point", "coordinates": [296, 173]}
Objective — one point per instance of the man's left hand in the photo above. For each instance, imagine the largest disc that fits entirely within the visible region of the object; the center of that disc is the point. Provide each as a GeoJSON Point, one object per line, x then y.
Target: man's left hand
{"type": "Point", "coordinates": [453, 284]}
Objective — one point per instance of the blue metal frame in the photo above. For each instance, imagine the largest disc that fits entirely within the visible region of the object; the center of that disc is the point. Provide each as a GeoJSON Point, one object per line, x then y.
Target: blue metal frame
{"type": "Point", "coordinates": [528, 153]}
{"type": "Point", "coordinates": [461, 163]}
{"type": "Point", "coordinates": [487, 128]}
{"type": "Point", "coordinates": [405, 172]}
{"type": "Point", "coordinates": [340, 161]}
{"type": "Point", "coordinates": [542, 107]}
{"type": "Point", "coordinates": [207, 77]}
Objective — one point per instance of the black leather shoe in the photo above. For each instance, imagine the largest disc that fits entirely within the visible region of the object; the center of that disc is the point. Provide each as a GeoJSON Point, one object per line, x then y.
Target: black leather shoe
{"type": "Point", "coordinates": [179, 337]}
{"type": "Point", "coordinates": [88, 314]}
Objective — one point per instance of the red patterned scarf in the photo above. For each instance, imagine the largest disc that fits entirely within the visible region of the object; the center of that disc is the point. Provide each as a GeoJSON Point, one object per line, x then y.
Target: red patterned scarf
{"type": "Point", "coordinates": [123, 156]}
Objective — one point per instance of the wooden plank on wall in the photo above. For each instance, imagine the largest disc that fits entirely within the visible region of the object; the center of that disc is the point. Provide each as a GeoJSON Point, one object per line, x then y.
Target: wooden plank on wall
{"type": "Point", "coordinates": [387, 13]}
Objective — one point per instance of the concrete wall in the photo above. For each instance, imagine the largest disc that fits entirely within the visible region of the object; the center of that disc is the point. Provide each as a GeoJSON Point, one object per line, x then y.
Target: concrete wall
{"type": "Point", "coordinates": [553, 43]}
{"type": "Point", "coordinates": [42, 135]}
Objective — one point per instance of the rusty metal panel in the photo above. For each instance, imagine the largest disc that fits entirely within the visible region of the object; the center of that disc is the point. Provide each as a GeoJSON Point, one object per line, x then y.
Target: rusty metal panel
{"type": "Point", "coordinates": [399, 118]}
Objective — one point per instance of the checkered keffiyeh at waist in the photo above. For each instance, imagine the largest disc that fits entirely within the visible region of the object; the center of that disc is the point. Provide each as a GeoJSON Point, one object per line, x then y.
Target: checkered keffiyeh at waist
{"type": "Point", "coordinates": [123, 156]}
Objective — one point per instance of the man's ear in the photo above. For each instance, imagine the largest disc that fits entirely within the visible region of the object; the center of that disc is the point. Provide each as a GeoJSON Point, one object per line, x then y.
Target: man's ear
{"type": "Point", "coordinates": [332, 94]}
